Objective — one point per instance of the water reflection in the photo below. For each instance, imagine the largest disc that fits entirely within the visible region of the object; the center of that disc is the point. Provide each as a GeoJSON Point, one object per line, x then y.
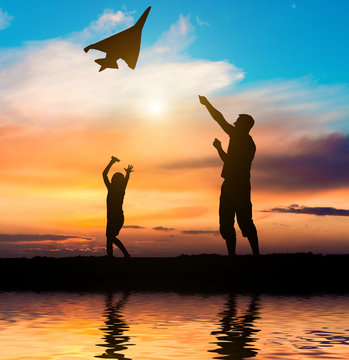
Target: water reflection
{"type": "Point", "coordinates": [320, 338]}
{"type": "Point", "coordinates": [115, 327]}
{"type": "Point", "coordinates": [236, 334]}
{"type": "Point", "coordinates": [167, 326]}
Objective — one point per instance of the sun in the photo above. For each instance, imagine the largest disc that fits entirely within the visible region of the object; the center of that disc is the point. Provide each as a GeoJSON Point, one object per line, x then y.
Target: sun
{"type": "Point", "coordinates": [155, 107]}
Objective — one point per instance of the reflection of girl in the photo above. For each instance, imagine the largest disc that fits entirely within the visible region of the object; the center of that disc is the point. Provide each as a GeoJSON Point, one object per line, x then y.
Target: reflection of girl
{"type": "Point", "coordinates": [115, 215]}
{"type": "Point", "coordinates": [115, 329]}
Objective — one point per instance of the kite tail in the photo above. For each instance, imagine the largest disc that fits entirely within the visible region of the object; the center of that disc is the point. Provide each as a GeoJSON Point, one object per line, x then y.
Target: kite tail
{"type": "Point", "coordinates": [105, 63]}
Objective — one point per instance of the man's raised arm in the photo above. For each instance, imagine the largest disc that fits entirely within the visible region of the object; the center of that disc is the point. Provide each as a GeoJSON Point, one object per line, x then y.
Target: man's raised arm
{"type": "Point", "coordinates": [217, 115]}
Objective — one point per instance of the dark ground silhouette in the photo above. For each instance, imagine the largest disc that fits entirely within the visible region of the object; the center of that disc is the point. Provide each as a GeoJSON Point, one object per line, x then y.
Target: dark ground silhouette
{"type": "Point", "coordinates": [235, 196]}
{"type": "Point", "coordinates": [115, 198]}
{"type": "Point", "coordinates": [124, 45]}
{"type": "Point", "coordinates": [285, 273]}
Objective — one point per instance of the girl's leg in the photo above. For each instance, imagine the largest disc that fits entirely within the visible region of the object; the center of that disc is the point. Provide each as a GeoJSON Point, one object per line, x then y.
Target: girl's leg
{"type": "Point", "coordinates": [121, 246]}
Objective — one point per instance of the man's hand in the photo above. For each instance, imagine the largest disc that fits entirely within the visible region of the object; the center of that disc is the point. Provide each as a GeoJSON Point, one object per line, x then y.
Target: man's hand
{"type": "Point", "coordinates": [203, 100]}
{"type": "Point", "coordinates": [114, 159]}
{"type": "Point", "coordinates": [129, 169]}
{"type": "Point", "coordinates": [217, 144]}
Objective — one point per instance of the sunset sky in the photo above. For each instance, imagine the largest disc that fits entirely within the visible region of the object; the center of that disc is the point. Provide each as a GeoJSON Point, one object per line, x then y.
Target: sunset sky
{"type": "Point", "coordinates": [283, 62]}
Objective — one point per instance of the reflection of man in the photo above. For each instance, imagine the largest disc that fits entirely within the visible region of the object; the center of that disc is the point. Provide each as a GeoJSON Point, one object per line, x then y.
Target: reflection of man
{"type": "Point", "coordinates": [236, 189]}
{"type": "Point", "coordinates": [236, 335]}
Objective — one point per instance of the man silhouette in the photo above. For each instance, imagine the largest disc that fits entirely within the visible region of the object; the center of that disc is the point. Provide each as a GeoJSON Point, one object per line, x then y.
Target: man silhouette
{"type": "Point", "coordinates": [236, 188]}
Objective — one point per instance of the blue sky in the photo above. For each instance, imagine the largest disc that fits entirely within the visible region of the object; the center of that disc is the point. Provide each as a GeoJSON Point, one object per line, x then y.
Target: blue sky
{"type": "Point", "coordinates": [267, 39]}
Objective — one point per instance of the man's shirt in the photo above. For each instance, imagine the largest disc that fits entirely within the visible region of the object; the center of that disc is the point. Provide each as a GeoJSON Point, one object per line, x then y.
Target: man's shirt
{"type": "Point", "coordinates": [237, 165]}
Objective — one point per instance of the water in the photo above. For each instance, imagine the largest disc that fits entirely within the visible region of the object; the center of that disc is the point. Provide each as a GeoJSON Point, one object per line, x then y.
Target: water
{"type": "Point", "coordinates": [163, 326]}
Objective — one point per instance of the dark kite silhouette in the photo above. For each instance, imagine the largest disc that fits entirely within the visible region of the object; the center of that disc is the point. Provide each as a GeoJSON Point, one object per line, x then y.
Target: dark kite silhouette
{"type": "Point", "coordinates": [125, 45]}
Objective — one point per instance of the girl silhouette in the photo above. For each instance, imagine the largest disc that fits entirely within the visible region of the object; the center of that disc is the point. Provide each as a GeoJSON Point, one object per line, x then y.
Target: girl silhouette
{"type": "Point", "coordinates": [115, 198]}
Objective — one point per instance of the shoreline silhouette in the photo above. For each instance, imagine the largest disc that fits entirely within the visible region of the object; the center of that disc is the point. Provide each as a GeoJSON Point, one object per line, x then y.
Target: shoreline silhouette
{"type": "Point", "coordinates": [290, 273]}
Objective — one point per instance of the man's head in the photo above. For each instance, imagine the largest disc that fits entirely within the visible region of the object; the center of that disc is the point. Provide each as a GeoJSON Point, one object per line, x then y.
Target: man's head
{"type": "Point", "coordinates": [244, 123]}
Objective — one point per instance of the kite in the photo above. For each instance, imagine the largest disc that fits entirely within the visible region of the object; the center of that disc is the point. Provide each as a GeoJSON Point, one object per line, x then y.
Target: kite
{"type": "Point", "coordinates": [125, 45]}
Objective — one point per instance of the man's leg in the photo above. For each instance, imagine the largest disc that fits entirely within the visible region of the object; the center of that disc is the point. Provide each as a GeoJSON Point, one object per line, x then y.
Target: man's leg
{"type": "Point", "coordinates": [121, 246]}
{"type": "Point", "coordinates": [253, 240]}
{"type": "Point", "coordinates": [248, 229]}
{"type": "Point", "coordinates": [109, 246]}
{"type": "Point", "coordinates": [226, 219]}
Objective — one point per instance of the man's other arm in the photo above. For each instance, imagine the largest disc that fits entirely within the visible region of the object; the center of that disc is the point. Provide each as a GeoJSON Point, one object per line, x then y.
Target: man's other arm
{"type": "Point", "coordinates": [218, 145]}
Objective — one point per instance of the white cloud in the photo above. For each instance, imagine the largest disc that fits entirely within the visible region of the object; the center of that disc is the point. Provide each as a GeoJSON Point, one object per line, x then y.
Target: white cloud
{"type": "Point", "coordinates": [202, 23]}
{"type": "Point", "coordinates": [107, 24]}
{"type": "Point", "coordinates": [109, 19]}
{"type": "Point", "coordinates": [5, 19]}
{"type": "Point", "coordinates": [303, 105]}
{"type": "Point", "coordinates": [56, 78]}
{"type": "Point", "coordinates": [175, 40]}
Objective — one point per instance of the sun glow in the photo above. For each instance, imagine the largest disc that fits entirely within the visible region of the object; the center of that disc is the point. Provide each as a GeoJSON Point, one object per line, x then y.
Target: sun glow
{"type": "Point", "coordinates": [155, 107]}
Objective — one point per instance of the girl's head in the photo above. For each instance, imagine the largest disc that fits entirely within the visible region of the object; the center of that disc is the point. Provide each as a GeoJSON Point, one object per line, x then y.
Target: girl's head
{"type": "Point", "coordinates": [117, 179]}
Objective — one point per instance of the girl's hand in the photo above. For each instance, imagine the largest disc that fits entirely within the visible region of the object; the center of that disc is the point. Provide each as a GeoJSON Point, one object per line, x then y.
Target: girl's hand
{"type": "Point", "coordinates": [114, 159]}
{"type": "Point", "coordinates": [129, 169]}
